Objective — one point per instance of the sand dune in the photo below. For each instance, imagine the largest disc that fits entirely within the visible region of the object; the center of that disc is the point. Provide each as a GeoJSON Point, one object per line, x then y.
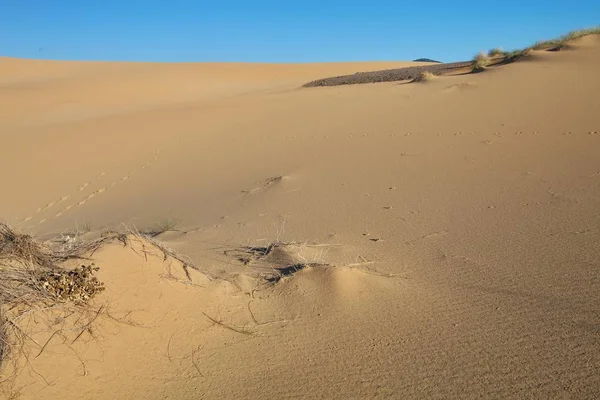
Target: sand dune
{"type": "Point", "coordinates": [449, 228]}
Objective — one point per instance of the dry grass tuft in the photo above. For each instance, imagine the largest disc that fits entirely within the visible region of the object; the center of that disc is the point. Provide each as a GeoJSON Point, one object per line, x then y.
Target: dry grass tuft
{"type": "Point", "coordinates": [163, 226]}
{"type": "Point", "coordinates": [581, 33]}
{"type": "Point", "coordinates": [496, 52]}
{"type": "Point", "coordinates": [559, 43]}
{"type": "Point", "coordinates": [4, 338]}
{"type": "Point", "coordinates": [32, 279]}
{"type": "Point", "coordinates": [35, 283]}
{"type": "Point", "coordinates": [425, 76]}
{"type": "Point", "coordinates": [553, 44]}
{"type": "Point", "coordinates": [23, 249]}
{"type": "Point", "coordinates": [515, 55]}
{"type": "Point", "coordinates": [151, 246]}
{"type": "Point", "coordinates": [480, 61]}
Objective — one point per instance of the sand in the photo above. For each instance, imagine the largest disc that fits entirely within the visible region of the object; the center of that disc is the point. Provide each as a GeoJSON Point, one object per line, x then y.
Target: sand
{"type": "Point", "coordinates": [451, 228]}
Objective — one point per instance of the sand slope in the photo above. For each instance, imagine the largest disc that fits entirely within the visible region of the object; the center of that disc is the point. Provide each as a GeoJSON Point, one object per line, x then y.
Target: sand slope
{"type": "Point", "coordinates": [459, 219]}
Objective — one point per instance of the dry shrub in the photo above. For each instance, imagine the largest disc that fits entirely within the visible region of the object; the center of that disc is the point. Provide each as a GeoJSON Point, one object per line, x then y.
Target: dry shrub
{"type": "Point", "coordinates": [555, 44]}
{"type": "Point", "coordinates": [32, 278]}
{"type": "Point", "coordinates": [23, 249]}
{"type": "Point", "coordinates": [78, 285]}
{"type": "Point", "coordinates": [425, 76]}
{"type": "Point", "coordinates": [34, 282]}
{"type": "Point", "coordinates": [559, 43]}
{"type": "Point", "coordinates": [480, 61]}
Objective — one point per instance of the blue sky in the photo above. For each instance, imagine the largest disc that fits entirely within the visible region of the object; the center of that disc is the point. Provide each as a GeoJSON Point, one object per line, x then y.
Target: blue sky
{"type": "Point", "coordinates": [280, 30]}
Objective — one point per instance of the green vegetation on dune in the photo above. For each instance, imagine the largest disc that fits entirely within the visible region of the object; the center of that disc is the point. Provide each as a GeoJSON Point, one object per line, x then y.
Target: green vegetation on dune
{"type": "Point", "coordinates": [561, 41]}
{"type": "Point", "coordinates": [479, 62]}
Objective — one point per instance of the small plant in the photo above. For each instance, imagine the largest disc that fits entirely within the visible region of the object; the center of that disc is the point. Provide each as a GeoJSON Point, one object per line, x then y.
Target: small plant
{"type": "Point", "coordinates": [559, 43]}
{"type": "Point", "coordinates": [165, 225]}
{"type": "Point", "coordinates": [82, 229]}
{"type": "Point", "coordinates": [425, 76]}
{"type": "Point", "coordinates": [33, 279]}
{"type": "Point", "coordinates": [548, 44]}
{"type": "Point", "coordinates": [581, 33]}
{"type": "Point", "coordinates": [496, 52]}
{"type": "Point", "coordinates": [480, 61]}
{"type": "Point", "coordinates": [78, 285]}
{"type": "Point", "coordinates": [514, 55]}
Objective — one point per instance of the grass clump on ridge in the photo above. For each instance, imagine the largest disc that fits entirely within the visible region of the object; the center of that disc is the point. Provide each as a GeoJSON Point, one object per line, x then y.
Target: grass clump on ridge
{"type": "Point", "coordinates": [560, 42]}
{"type": "Point", "coordinates": [480, 61]}
{"type": "Point", "coordinates": [425, 76]}
{"type": "Point", "coordinates": [581, 33]}
{"type": "Point", "coordinates": [496, 52]}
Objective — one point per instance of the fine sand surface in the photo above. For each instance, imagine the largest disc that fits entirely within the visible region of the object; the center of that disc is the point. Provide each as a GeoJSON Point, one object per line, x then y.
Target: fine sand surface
{"type": "Point", "coordinates": [452, 227]}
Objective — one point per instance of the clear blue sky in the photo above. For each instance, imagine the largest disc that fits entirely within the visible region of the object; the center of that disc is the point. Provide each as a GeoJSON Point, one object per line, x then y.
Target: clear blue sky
{"type": "Point", "coordinates": [281, 30]}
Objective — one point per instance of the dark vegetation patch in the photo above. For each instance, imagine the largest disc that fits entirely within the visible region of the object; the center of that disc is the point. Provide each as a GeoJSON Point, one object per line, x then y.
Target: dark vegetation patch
{"type": "Point", "coordinates": [274, 261]}
{"type": "Point", "coordinates": [282, 272]}
{"type": "Point", "coordinates": [389, 75]}
{"type": "Point", "coordinates": [250, 254]}
{"type": "Point", "coordinates": [78, 285]}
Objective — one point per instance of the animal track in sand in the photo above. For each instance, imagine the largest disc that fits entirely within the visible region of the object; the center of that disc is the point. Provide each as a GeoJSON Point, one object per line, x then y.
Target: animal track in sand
{"type": "Point", "coordinates": [40, 209]}
{"type": "Point", "coordinates": [101, 190]}
{"type": "Point", "coordinates": [82, 188]}
{"type": "Point", "coordinates": [78, 204]}
{"type": "Point", "coordinates": [88, 198]}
